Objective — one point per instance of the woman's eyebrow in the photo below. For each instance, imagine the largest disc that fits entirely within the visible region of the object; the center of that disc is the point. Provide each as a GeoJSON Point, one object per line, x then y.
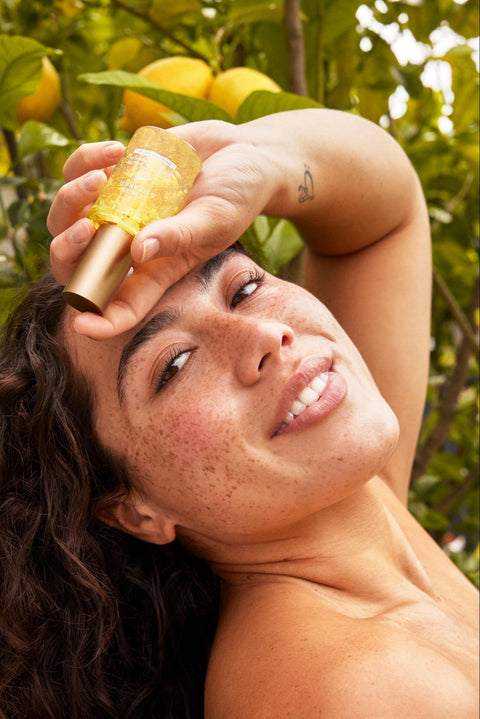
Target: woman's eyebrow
{"type": "Point", "coordinates": [212, 267]}
{"type": "Point", "coordinates": [167, 318]}
{"type": "Point", "coordinates": [158, 323]}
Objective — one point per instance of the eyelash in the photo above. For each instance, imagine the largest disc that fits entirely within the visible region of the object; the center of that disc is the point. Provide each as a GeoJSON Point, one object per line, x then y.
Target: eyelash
{"type": "Point", "coordinates": [167, 365]}
{"type": "Point", "coordinates": [254, 277]}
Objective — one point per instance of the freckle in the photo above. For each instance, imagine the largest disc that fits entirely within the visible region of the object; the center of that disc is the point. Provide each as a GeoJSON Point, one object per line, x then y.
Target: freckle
{"type": "Point", "coordinates": [339, 459]}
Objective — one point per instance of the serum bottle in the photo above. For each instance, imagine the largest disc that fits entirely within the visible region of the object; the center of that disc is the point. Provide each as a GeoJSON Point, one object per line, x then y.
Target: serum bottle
{"type": "Point", "coordinates": [150, 182]}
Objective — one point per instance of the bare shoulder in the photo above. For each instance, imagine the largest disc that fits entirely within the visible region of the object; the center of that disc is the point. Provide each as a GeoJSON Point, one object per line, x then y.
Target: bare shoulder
{"type": "Point", "coordinates": [288, 659]}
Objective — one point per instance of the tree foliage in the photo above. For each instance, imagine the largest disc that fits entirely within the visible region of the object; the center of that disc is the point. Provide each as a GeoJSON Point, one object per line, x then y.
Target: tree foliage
{"type": "Point", "coordinates": [408, 65]}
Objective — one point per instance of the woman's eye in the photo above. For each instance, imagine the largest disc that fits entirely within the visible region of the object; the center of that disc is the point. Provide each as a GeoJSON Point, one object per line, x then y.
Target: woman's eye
{"type": "Point", "coordinates": [173, 367]}
{"type": "Point", "coordinates": [246, 290]}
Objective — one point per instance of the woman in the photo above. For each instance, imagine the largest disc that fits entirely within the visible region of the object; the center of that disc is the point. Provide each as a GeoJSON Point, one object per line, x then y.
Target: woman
{"type": "Point", "coordinates": [225, 419]}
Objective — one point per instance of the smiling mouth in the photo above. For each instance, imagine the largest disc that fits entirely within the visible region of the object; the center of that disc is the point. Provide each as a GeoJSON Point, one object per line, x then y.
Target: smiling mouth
{"type": "Point", "coordinates": [308, 396]}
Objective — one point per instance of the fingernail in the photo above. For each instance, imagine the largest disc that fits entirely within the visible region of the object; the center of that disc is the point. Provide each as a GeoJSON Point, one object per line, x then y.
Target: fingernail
{"type": "Point", "coordinates": [112, 150]}
{"type": "Point", "coordinates": [93, 181]}
{"type": "Point", "coordinates": [80, 232]}
{"type": "Point", "coordinates": [150, 249]}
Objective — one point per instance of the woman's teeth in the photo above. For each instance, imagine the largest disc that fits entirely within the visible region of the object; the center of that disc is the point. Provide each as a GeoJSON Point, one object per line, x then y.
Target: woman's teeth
{"type": "Point", "coordinates": [307, 396]}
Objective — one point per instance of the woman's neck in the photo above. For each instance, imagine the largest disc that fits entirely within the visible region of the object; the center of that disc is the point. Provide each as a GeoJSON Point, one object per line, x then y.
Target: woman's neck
{"type": "Point", "coordinates": [353, 549]}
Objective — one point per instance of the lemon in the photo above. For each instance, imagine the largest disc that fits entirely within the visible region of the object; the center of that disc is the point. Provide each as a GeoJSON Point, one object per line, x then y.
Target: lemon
{"type": "Point", "coordinates": [186, 75]}
{"type": "Point", "coordinates": [42, 104]}
{"type": "Point", "coordinates": [230, 88]}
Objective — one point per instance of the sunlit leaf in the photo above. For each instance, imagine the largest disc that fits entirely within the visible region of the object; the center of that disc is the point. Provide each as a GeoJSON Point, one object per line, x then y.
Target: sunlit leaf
{"type": "Point", "coordinates": [36, 136]}
{"type": "Point", "coordinates": [165, 12]}
{"type": "Point", "coordinates": [123, 51]}
{"type": "Point", "coordinates": [244, 12]}
{"type": "Point", "coordinates": [465, 85]}
{"type": "Point", "coordinates": [339, 17]}
{"type": "Point", "coordinates": [185, 108]}
{"type": "Point", "coordinates": [262, 102]}
{"type": "Point", "coordinates": [20, 72]}
{"type": "Point", "coordinates": [283, 244]}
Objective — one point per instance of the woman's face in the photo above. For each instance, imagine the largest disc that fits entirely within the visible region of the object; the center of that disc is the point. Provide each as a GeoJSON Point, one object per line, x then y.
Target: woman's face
{"type": "Point", "coordinates": [198, 402]}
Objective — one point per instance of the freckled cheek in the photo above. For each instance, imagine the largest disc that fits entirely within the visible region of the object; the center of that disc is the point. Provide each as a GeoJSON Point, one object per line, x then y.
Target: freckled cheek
{"type": "Point", "coordinates": [197, 433]}
{"type": "Point", "coordinates": [301, 310]}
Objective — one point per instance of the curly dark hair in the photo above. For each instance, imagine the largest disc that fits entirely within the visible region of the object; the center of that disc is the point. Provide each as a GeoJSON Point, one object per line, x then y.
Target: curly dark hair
{"type": "Point", "coordinates": [93, 623]}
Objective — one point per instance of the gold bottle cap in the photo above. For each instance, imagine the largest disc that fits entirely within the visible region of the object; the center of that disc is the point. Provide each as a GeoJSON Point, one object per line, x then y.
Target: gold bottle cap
{"type": "Point", "coordinates": [101, 270]}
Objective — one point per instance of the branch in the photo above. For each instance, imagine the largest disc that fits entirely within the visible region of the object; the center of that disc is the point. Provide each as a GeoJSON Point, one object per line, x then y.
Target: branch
{"type": "Point", "coordinates": [451, 205]}
{"type": "Point", "coordinates": [440, 431]}
{"type": "Point", "coordinates": [449, 401]}
{"type": "Point", "coordinates": [321, 83]}
{"type": "Point", "coordinates": [446, 505]}
{"type": "Point", "coordinates": [12, 147]}
{"type": "Point", "coordinates": [146, 18]}
{"type": "Point", "coordinates": [440, 284]}
{"type": "Point", "coordinates": [70, 119]}
{"type": "Point", "coordinates": [456, 311]}
{"type": "Point", "coordinates": [11, 143]}
{"type": "Point", "coordinates": [296, 48]}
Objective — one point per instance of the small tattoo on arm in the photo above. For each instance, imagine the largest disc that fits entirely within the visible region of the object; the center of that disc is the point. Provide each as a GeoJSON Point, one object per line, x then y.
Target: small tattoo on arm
{"type": "Point", "coordinates": [305, 191]}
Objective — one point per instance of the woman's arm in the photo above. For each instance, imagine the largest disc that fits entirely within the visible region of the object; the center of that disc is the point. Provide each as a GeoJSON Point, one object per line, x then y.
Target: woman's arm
{"type": "Point", "coordinates": [353, 195]}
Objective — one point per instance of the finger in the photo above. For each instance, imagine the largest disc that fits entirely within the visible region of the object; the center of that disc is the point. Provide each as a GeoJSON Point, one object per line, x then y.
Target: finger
{"type": "Point", "coordinates": [68, 247]}
{"type": "Point", "coordinates": [207, 136]}
{"type": "Point", "coordinates": [197, 230]}
{"type": "Point", "coordinates": [92, 156]}
{"type": "Point", "coordinates": [220, 206]}
{"type": "Point", "coordinates": [74, 200]}
{"type": "Point", "coordinates": [134, 300]}
{"type": "Point", "coordinates": [206, 226]}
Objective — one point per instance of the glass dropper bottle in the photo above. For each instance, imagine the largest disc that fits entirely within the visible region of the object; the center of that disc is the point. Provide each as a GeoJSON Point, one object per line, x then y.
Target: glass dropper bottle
{"type": "Point", "coordinates": [150, 182]}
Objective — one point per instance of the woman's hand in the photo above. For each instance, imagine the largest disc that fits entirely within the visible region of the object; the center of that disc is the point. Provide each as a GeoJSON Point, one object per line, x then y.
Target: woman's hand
{"type": "Point", "coordinates": [342, 180]}
{"type": "Point", "coordinates": [234, 186]}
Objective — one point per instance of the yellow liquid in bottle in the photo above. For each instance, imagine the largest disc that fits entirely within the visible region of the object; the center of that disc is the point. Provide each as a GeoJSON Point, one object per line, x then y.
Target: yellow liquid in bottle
{"type": "Point", "coordinates": [150, 182]}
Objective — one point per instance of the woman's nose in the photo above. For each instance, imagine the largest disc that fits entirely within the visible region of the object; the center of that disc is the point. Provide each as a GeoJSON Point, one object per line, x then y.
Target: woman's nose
{"type": "Point", "coordinates": [257, 345]}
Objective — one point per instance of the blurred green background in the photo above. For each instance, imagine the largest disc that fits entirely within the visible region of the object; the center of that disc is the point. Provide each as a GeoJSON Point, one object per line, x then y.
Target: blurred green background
{"type": "Point", "coordinates": [410, 66]}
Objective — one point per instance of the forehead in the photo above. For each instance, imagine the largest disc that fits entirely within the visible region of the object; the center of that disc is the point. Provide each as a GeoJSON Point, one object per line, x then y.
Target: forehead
{"type": "Point", "coordinates": [99, 360]}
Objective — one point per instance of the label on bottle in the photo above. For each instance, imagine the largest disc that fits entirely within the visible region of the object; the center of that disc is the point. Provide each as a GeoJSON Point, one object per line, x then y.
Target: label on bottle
{"type": "Point", "coordinates": [157, 155]}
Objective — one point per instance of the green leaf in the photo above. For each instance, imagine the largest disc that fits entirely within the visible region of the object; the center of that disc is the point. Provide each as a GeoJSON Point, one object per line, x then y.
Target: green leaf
{"type": "Point", "coordinates": [272, 242]}
{"type": "Point", "coordinates": [339, 18]}
{"type": "Point", "coordinates": [36, 136]}
{"type": "Point", "coordinates": [409, 77]}
{"type": "Point", "coordinates": [20, 73]}
{"type": "Point", "coordinates": [245, 12]}
{"type": "Point", "coordinates": [262, 102]}
{"type": "Point", "coordinates": [283, 244]}
{"type": "Point", "coordinates": [252, 243]}
{"type": "Point", "coordinates": [463, 19]}
{"type": "Point", "coordinates": [185, 108]}
{"type": "Point", "coordinates": [166, 12]}
{"type": "Point", "coordinates": [465, 85]}
{"type": "Point", "coordinates": [426, 484]}
{"type": "Point", "coordinates": [428, 518]}
{"type": "Point", "coordinates": [123, 51]}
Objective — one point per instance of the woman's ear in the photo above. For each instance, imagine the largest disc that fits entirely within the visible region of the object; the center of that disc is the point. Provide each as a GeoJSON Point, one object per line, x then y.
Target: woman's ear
{"type": "Point", "coordinates": [134, 515]}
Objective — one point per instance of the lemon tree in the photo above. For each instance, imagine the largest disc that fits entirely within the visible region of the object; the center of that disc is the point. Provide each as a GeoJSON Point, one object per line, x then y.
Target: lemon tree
{"type": "Point", "coordinates": [184, 75]}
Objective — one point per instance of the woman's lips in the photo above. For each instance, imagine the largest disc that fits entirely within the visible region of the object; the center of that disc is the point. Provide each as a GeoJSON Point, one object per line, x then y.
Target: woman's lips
{"type": "Point", "coordinates": [314, 391]}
